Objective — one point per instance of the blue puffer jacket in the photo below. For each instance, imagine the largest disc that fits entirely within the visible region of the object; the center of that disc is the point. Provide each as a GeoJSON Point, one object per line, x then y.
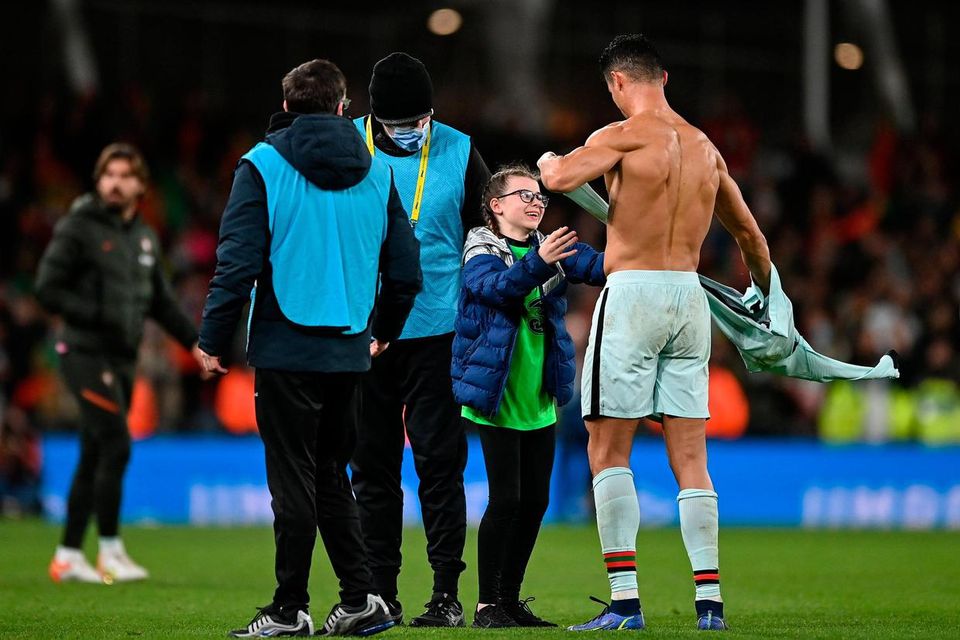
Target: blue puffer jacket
{"type": "Point", "coordinates": [490, 310]}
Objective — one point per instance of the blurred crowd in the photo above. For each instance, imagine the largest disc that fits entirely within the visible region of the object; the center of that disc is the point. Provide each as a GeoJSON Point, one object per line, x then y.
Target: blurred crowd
{"type": "Point", "coordinates": [867, 245]}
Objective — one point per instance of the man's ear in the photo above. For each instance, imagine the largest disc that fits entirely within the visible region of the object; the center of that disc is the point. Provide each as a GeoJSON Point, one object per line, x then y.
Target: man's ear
{"type": "Point", "coordinates": [664, 77]}
{"type": "Point", "coordinates": [340, 108]}
{"type": "Point", "coordinates": [617, 80]}
{"type": "Point", "coordinates": [285, 106]}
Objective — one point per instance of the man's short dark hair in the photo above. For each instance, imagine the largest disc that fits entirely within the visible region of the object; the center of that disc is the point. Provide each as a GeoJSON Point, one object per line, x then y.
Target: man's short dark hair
{"type": "Point", "coordinates": [121, 151]}
{"type": "Point", "coordinates": [314, 87]}
{"type": "Point", "coordinates": [633, 55]}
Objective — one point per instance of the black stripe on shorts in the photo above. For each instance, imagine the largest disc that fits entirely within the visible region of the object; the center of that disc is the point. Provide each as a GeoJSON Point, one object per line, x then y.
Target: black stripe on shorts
{"type": "Point", "coordinates": [595, 381]}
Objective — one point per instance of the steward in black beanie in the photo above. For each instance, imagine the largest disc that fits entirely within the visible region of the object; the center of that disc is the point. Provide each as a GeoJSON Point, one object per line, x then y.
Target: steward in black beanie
{"type": "Point", "coordinates": [400, 90]}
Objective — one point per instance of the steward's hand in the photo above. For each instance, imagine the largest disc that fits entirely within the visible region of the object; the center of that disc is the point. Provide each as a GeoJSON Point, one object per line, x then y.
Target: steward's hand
{"type": "Point", "coordinates": [209, 365]}
{"type": "Point", "coordinates": [377, 347]}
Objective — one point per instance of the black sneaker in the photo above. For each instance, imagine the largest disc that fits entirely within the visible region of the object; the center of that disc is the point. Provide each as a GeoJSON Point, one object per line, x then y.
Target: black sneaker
{"type": "Point", "coordinates": [395, 611]}
{"type": "Point", "coordinates": [272, 621]}
{"type": "Point", "coordinates": [520, 611]}
{"type": "Point", "coordinates": [364, 620]}
{"type": "Point", "coordinates": [493, 616]}
{"type": "Point", "coordinates": [443, 610]}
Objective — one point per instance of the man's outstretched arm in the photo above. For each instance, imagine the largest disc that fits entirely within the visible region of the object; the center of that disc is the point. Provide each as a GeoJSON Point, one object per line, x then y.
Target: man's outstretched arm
{"type": "Point", "coordinates": [735, 216]}
{"type": "Point", "coordinates": [595, 158]}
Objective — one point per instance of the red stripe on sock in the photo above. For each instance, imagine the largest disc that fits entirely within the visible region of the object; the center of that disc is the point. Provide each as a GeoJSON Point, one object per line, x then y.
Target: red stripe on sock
{"type": "Point", "coordinates": [625, 564]}
{"type": "Point", "coordinates": [706, 576]}
{"type": "Point", "coordinates": [619, 554]}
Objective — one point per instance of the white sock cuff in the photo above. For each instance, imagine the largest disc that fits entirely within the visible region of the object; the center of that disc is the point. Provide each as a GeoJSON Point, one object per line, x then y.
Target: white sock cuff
{"type": "Point", "coordinates": [696, 493]}
{"type": "Point", "coordinates": [67, 553]}
{"type": "Point", "coordinates": [609, 473]}
{"type": "Point", "coordinates": [111, 545]}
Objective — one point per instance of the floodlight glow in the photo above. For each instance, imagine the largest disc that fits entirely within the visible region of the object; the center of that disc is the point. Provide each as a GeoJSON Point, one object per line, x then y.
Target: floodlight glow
{"type": "Point", "coordinates": [848, 56]}
{"type": "Point", "coordinates": [444, 22]}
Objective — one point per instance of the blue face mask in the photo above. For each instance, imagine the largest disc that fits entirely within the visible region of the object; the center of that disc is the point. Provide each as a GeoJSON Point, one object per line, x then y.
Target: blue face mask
{"type": "Point", "coordinates": [410, 138]}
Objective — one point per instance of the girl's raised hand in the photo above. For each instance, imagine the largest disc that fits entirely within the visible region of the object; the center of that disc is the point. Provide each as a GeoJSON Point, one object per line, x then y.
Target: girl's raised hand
{"type": "Point", "coordinates": [558, 245]}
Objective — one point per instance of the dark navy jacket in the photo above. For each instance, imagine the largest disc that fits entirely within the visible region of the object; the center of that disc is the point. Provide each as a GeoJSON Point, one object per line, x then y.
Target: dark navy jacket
{"type": "Point", "coordinates": [490, 310]}
{"type": "Point", "coordinates": [327, 150]}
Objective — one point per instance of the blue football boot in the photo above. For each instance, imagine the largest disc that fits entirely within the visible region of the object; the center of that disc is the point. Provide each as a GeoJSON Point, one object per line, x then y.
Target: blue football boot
{"type": "Point", "coordinates": [608, 621]}
{"type": "Point", "coordinates": [710, 622]}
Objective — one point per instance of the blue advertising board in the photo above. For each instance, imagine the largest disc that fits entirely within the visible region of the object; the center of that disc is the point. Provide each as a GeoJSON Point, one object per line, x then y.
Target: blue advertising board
{"type": "Point", "coordinates": [220, 480]}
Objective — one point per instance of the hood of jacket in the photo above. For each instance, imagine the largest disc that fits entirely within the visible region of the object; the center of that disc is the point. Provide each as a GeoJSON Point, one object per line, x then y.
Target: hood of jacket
{"type": "Point", "coordinates": [326, 149]}
{"type": "Point", "coordinates": [481, 240]}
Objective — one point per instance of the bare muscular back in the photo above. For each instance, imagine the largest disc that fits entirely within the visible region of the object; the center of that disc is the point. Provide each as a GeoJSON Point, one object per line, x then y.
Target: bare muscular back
{"type": "Point", "coordinates": [662, 193]}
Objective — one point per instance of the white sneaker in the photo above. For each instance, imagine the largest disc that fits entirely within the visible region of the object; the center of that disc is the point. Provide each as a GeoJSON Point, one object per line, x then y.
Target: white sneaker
{"type": "Point", "coordinates": [69, 565]}
{"type": "Point", "coordinates": [116, 566]}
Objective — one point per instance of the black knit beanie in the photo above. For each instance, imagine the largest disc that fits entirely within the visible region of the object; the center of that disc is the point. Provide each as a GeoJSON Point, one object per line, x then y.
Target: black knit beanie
{"type": "Point", "coordinates": [400, 90]}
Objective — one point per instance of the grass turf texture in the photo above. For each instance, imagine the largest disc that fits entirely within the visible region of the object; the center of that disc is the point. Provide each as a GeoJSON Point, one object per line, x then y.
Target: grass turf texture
{"type": "Point", "coordinates": [776, 583]}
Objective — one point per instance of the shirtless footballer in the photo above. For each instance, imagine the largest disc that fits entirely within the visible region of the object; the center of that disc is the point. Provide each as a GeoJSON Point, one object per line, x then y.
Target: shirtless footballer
{"type": "Point", "coordinates": [650, 340]}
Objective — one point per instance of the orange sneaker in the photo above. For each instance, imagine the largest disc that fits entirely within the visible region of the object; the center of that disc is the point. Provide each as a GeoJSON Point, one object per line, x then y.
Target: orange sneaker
{"type": "Point", "coordinates": [69, 565]}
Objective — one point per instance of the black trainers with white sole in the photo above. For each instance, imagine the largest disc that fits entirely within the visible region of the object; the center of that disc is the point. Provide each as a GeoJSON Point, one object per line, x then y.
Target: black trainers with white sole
{"type": "Point", "coordinates": [271, 621]}
{"type": "Point", "coordinates": [366, 620]}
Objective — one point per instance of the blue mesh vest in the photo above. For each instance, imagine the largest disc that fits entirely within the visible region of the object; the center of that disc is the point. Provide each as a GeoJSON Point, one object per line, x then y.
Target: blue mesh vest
{"type": "Point", "coordinates": [324, 245]}
{"type": "Point", "coordinates": [439, 229]}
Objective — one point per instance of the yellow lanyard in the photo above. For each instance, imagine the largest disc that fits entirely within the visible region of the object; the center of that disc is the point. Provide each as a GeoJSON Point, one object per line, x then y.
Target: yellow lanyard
{"type": "Point", "coordinates": [421, 174]}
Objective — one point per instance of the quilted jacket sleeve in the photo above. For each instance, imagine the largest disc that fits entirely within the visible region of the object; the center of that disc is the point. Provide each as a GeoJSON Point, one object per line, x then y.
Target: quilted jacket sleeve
{"type": "Point", "coordinates": [489, 280]}
{"type": "Point", "coordinates": [585, 266]}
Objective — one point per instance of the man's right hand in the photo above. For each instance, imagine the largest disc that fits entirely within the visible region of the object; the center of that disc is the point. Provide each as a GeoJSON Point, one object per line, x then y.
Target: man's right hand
{"type": "Point", "coordinates": [557, 246]}
{"type": "Point", "coordinates": [209, 365]}
{"type": "Point", "coordinates": [377, 347]}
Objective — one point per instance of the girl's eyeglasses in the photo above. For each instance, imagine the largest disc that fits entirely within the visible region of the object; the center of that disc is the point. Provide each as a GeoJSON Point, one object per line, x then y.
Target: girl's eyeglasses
{"type": "Point", "coordinates": [527, 196]}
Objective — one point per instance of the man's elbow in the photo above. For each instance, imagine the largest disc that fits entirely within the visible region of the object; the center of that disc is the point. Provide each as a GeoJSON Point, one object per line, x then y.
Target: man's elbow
{"type": "Point", "coordinates": [762, 248]}
{"type": "Point", "coordinates": [408, 284]}
{"type": "Point", "coordinates": [554, 180]}
{"type": "Point", "coordinates": [753, 242]}
{"type": "Point", "coordinates": [415, 285]}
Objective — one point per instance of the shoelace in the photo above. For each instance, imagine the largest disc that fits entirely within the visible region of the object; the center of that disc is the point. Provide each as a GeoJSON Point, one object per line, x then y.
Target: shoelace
{"type": "Point", "coordinates": [335, 614]}
{"type": "Point", "coordinates": [265, 616]}
{"type": "Point", "coordinates": [525, 607]}
{"type": "Point", "coordinates": [606, 608]}
{"type": "Point", "coordinates": [262, 617]}
{"type": "Point", "coordinates": [437, 607]}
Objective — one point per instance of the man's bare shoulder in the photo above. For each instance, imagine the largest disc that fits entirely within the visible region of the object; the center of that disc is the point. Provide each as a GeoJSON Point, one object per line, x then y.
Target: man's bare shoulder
{"type": "Point", "coordinates": [604, 136]}
{"type": "Point", "coordinates": [692, 134]}
{"type": "Point", "coordinates": [631, 134]}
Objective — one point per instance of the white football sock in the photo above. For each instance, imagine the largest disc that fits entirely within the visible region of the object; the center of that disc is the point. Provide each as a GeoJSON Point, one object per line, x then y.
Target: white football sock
{"type": "Point", "coordinates": [618, 520]}
{"type": "Point", "coordinates": [699, 525]}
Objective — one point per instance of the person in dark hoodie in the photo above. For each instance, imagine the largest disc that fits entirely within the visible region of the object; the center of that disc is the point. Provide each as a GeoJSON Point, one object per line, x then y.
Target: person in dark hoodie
{"type": "Point", "coordinates": [102, 273]}
{"type": "Point", "coordinates": [311, 225]}
{"type": "Point", "coordinates": [440, 177]}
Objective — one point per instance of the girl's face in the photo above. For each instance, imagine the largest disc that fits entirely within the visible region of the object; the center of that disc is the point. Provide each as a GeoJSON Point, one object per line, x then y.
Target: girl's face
{"type": "Point", "coordinates": [516, 217]}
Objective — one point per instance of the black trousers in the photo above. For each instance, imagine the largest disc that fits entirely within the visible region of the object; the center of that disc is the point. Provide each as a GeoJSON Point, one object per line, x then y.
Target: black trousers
{"type": "Point", "coordinates": [102, 386]}
{"type": "Point", "coordinates": [409, 384]}
{"type": "Point", "coordinates": [308, 426]}
{"type": "Point", "coordinates": [519, 464]}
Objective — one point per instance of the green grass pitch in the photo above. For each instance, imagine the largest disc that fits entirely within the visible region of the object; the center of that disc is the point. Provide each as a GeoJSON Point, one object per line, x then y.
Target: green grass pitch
{"type": "Point", "coordinates": [776, 584]}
